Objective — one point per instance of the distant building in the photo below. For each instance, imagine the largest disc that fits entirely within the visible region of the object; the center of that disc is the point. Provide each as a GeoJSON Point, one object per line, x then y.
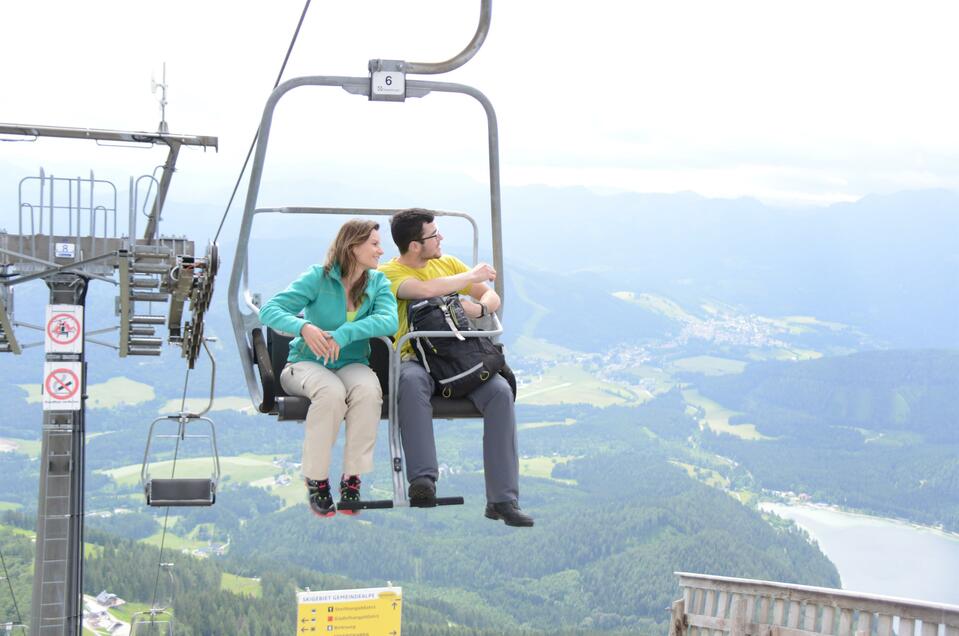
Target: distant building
{"type": "Point", "coordinates": [106, 599]}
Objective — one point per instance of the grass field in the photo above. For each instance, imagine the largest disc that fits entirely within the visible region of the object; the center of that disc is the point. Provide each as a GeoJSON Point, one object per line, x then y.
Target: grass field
{"type": "Point", "coordinates": [657, 304]}
{"type": "Point", "coordinates": [173, 542]}
{"type": "Point", "coordinates": [795, 354]}
{"type": "Point", "coordinates": [896, 439]}
{"type": "Point", "coordinates": [118, 391]}
{"type": "Point", "coordinates": [29, 447]}
{"type": "Point", "coordinates": [293, 493]}
{"type": "Point", "coordinates": [7, 505]}
{"type": "Point", "coordinates": [716, 417]}
{"type": "Point", "coordinates": [33, 393]}
{"type": "Point", "coordinates": [243, 468]}
{"type": "Point", "coordinates": [195, 405]}
{"type": "Point", "coordinates": [542, 467]}
{"type": "Point", "coordinates": [539, 311]}
{"type": "Point", "coordinates": [91, 550]}
{"type": "Point", "coordinates": [529, 347]}
{"type": "Point", "coordinates": [708, 365]}
{"type": "Point", "coordinates": [568, 384]}
{"type": "Point", "coordinates": [531, 425]}
{"type": "Point", "coordinates": [241, 585]}
{"type": "Point", "coordinates": [126, 611]}
{"type": "Point", "coordinates": [18, 531]}
{"type": "Point", "coordinates": [805, 324]}
{"type": "Point", "coordinates": [706, 475]}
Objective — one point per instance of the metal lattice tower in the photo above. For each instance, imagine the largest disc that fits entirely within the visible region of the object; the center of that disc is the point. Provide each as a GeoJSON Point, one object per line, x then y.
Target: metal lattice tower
{"type": "Point", "coordinates": [69, 237]}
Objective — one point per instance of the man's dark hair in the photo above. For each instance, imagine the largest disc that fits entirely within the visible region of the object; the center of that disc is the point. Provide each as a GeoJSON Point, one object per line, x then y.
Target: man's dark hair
{"type": "Point", "coordinates": [407, 226]}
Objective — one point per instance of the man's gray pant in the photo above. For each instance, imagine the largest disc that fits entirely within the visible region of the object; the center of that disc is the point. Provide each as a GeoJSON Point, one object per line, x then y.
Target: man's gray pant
{"type": "Point", "coordinates": [493, 399]}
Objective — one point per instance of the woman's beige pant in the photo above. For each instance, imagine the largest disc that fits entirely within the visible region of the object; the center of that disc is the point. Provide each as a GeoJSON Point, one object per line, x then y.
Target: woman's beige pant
{"type": "Point", "coordinates": [353, 394]}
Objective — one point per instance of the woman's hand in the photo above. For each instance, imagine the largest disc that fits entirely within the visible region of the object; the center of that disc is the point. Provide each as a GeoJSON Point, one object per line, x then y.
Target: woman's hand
{"type": "Point", "coordinates": [320, 343]}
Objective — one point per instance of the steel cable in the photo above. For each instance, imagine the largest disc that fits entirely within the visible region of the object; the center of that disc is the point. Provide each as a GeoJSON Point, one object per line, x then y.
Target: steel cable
{"type": "Point", "coordinates": [13, 596]}
{"type": "Point", "coordinates": [256, 136]}
{"type": "Point", "coordinates": [226, 212]}
{"type": "Point", "coordinates": [166, 516]}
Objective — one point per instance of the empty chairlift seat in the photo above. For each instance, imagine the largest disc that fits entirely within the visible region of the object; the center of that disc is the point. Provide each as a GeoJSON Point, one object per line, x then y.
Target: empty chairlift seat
{"type": "Point", "coordinates": [181, 491]}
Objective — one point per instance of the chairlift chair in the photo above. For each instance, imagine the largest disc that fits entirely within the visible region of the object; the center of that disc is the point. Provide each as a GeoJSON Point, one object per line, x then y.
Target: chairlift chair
{"type": "Point", "coordinates": [152, 622]}
{"type": "Point", "coordinates": [158, 619]}
{"type": "Point", "coordinates": [266, 349]}
{"type": "Point", "coordinates": [181, 491]}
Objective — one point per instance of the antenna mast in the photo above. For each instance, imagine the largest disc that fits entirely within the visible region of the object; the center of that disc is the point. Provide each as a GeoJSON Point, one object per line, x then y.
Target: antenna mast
{"type": "Point", "coordinates": [162, 85]}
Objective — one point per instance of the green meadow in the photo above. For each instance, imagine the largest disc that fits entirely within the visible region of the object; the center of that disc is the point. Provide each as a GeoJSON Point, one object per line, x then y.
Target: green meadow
{"type": "Point", "coordinates": [716, 417]}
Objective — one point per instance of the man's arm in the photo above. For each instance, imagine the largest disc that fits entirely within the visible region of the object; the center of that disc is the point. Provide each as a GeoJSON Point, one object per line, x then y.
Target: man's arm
{"type": "Point", "coordinates": [414, 289]}
{"type": "Point", "coordinates": [484, 296]}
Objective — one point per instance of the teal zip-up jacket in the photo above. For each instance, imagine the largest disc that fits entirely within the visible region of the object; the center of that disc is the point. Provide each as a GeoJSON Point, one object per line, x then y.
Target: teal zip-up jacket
{"type": "Point", "coordinates": [322, 300]}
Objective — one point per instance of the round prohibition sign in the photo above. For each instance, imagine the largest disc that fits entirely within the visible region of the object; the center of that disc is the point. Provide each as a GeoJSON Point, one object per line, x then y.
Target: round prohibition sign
{"type": "Point", "coordinates": [63, 328]}
{"type": "Point", "coordinates": [62, 384]}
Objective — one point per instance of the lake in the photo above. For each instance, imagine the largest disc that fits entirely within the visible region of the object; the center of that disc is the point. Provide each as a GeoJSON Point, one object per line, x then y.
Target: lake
{"type": "Point", "coordinates": [882, 556]}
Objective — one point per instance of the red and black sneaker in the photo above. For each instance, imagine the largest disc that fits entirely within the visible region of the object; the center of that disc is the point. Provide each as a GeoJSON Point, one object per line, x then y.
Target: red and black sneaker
{"type": "Point", "coordinates": [349, 493]}
{"type": "Point", "coordinates": [321, 500]}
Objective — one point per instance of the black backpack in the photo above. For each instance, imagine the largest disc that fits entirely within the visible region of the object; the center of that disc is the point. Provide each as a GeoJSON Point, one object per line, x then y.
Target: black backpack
{"type": "Point", "coordinates": [458, 364]}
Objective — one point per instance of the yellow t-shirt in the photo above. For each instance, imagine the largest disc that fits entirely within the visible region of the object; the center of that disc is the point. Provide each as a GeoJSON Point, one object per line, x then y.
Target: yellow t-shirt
{"type": "Point", "coordinates": [435, 268]}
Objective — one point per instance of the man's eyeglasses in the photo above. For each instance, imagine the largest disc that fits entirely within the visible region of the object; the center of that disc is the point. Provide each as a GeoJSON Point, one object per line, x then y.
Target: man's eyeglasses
{"type": "Point", "coordinates": [426, 238]}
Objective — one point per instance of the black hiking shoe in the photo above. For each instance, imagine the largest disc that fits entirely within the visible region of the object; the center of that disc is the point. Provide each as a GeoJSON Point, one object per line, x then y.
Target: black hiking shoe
{"type": "Point", "coordinates": [422, 492]}
{"type": "Point", "coordinates": [349, 492]}
{"type": "Point", "coordinates": [321, 501]}
{"type": "Point", "coordinates": [510, 513]}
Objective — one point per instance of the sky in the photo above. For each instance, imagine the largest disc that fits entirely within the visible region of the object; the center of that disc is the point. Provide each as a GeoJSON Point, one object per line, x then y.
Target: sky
{"type": "Point", "coordinates": [793, 103]}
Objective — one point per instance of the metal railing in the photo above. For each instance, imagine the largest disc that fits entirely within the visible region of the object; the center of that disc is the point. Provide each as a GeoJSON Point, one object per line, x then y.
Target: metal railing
{"type": "Point", "coordinates": [718, 605]}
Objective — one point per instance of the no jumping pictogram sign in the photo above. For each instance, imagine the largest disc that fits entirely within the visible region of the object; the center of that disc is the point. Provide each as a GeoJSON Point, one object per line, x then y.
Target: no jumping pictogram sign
{"type": "Point", "coordinates": [64, 329]}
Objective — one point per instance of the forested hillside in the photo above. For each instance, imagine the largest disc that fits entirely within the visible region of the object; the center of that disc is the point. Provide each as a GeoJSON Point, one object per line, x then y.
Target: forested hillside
{"type": "Point", "coordinates": [602, 554]}
{"type": "Point", "coordinates": [628, 409]}
{"type": "Point", "coordinates": [877, 431]}
{"type": "Point", "coordinates": [16, 577]}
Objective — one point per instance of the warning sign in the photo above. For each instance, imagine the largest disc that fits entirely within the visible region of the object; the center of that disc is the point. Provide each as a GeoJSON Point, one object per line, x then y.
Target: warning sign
{"type": "Point", "coordinates": [375, 611]}
{"type": "Point", "coordinates": [61, 386]}
{"type": "Point", "coordinates": [64, 329]}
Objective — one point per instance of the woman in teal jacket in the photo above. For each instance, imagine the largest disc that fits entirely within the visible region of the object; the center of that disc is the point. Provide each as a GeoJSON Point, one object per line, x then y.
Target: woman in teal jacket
{"type": "Point", "coordinates": [344, 303]}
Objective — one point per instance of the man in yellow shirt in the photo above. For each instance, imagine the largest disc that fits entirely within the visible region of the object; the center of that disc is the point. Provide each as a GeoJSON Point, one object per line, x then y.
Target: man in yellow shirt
{"type": "Point", "coordinates": [422, 271]}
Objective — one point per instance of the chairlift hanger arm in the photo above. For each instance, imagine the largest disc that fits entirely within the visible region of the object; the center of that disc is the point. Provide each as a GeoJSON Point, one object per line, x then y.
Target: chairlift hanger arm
{"type": "Point", "coordinates": [464, 56]}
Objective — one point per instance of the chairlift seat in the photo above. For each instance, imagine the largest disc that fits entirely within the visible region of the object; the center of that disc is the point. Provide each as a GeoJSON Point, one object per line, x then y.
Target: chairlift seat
{"type": "Point", "coordinates": [180, 492]}
{"type": "Point", "coordinates": [270, 355]}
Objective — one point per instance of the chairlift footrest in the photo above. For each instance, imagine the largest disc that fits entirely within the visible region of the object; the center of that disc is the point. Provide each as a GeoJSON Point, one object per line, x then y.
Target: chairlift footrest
{"type": "Point", "coordinates": [180, 492]}
{"type": "Point", "coordinates": [439, 501]}
{"type": "Point", "coordinates": [364, 505]}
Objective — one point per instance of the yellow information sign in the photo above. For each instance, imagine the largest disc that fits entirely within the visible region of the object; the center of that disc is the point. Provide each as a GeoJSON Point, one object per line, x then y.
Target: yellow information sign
{"type": "Point", "coordinates": [374, 611]}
